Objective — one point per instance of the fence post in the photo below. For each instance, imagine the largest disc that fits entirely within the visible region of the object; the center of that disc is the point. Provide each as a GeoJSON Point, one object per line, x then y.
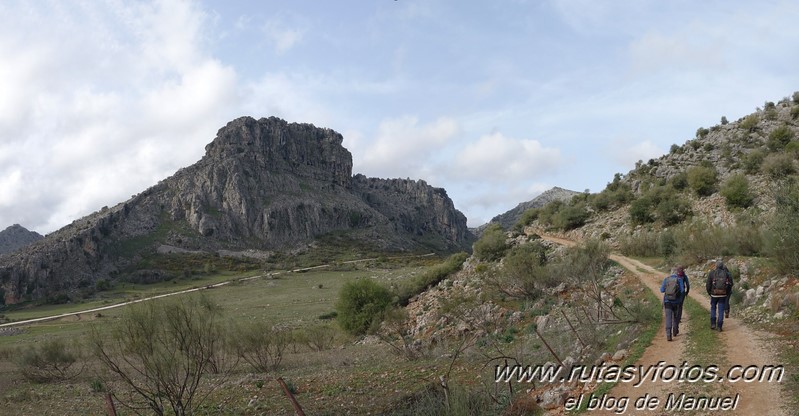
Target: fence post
{"type": "Point", "coordinates": [297, 407]}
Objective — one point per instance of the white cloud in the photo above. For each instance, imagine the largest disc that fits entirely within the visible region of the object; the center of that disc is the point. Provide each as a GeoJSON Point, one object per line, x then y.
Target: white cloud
{"type": "Point", "coordinates": [100, 102]}
{"type": "Point", "coordinates": [497, 158]}
{"type": "Point", "coordinates": [284, 33]}
{"type": "Point", "coordinates": [627, 152]}
{"type": "Point", "coordinates": [404, 147]}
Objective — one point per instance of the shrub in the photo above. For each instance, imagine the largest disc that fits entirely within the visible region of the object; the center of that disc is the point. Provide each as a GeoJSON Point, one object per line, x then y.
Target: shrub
{"type": "Point", "coordinates": [795, 112]}
{"type": "Point", "coordinates": [319, 337]}
{"type": "Point", "coordinates": [641, 210]}
{"type": "Point", "coordinates": [571, 217]}
{"type": "Point", "coordinates": [780, 137]}
{"type": "Point", "coordinates": [361, 304]}
{"type": "Point", "coordinates": [795, 97]}
{"type": "Point", "coordinates": [702, 180]}
{"type": "Point", "coordinates": [260, 345]}
{"type": "Point", "coordinates": [735, 191]}
{"type": "Point", "coordinates": [491, 246]}
{"type": "Point", "coordinates": [753, 160]}
{"type": "Point", "coordinates": [162, 350]}
{"type": "Point", "coordinates": [749, 123]}
{"type": "Point", "coordinates": [782, 238]}
{"type": "Point", "coordinates": [430, 277]}
{"type": "Point", "coordinates": [641, 244]}
{"type": "Point", "coordinates": [673, 210]}
{"type": "Point", "coordinates": [792, 149]}
{"type": "Point", "coordinates": [524, 267]}
{"type": "Point", "coordinates": [778, 165]}
{"type": "Point", "coordinates": [527, 217]}
{"type": "Point", "coordinates": [53, 360]}
{"type": "Point", "coordinates": [702, 132]}
{"type": "Point", "coordinates": [674, 149]}
{"type": "Point", "coordinates": [679, 181]}
{"type": "Point", "coordinates": [549, 211]}
{"type": "Point", "coordinates": [724, 120]}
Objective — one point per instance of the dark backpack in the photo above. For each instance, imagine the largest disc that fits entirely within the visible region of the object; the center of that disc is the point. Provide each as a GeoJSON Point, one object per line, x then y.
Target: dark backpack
{"type": "Point", "coordinates": [672, 291]}
{"type": "Point", "coordinates": [719, 282]}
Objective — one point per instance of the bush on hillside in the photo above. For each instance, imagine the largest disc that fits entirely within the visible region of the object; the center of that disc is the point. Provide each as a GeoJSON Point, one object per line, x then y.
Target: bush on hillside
{"type": "Point", "coordinates": [782, 238]}
{"type": "Point", "coordinates": [491, 246]}
{"type": "Point", "coordinates": [571, 217]}
{"type": "Point", "coordinates": [526, 272]}
{"type": "Point", "coordinates": [749, 123]}
{"type": "Point", "coordinates": [753, 161]}
{"type": "Point", "coordinates": [430, 277]}
{"type": "Point", "coordinates": [548, 213]}
{"type": "Point", "coordinates": [641, 210]}
{"type": "Point", "coordinates": [673, 210]}
{"type": "Point", "coordinates": [735, 191]}
{"type": "Point", "coordinates": [527, 218]}
{"type": "Point", "coordinates": [778, 165]}
{"type": "Point", "coordinates": [702, 180]}
{"type": "Point", "coordinates": [679, 181]}
{"type": "Point", "coordinates": [361, 305]}
{"type": "Point", "coordinates": [641, 244]}
{"type": "Point", "coordinates": [779, 138]}
{"type": "Point", "coordinates": [792, 149]}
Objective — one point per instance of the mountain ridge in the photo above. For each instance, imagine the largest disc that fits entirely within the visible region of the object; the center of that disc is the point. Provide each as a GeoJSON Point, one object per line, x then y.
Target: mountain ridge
{"type": "Point", "coordinates": [265, 184]}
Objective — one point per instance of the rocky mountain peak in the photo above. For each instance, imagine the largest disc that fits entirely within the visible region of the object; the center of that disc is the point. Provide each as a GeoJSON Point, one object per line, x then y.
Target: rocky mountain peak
{"type": "Point", "coordinates": [15, 237]}
{"type": "Point", "coordinates": [275, 145]}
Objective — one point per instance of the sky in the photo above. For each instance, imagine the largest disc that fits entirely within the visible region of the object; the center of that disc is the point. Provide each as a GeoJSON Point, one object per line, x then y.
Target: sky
{"type": "Point", "coordinates": [495, 101]}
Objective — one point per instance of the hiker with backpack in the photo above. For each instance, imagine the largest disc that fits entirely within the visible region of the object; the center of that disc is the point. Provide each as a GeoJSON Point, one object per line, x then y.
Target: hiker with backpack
{"type": "Point", "coordinates": [687, 286]}
{"type": "Point", "coordinates": [672, 289]}
{"type": "Point", "coordinates": [719, 287]}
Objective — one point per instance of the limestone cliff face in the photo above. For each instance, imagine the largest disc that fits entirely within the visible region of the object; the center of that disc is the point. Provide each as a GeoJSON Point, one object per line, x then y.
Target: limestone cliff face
{"type": "Point", "coordinates": [264, 184]}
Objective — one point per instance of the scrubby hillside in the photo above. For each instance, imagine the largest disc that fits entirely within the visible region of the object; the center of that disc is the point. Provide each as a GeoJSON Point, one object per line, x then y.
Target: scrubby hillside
{"type": "Point", "coordinates": [736, 178]}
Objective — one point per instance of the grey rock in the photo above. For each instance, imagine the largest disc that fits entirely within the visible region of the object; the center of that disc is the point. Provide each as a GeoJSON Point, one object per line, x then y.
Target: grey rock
{"type": "Point", "coordinates": [16, 237]}
{"type": "Point", "coordinates": [555, 398]}
{"type": "Point", "coordinates": [750, 297]}
{"type": "Point", "coordinates": [620, 355]}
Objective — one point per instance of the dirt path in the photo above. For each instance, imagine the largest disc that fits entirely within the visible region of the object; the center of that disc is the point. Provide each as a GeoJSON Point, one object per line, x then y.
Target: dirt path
{"type": "Point", "coordinates": [743, 346]}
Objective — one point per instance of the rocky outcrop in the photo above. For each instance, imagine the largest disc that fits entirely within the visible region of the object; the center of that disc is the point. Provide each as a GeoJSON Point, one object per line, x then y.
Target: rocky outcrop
{"type": "Point", "coordinates": [15, 237]}
{"type": "Point", "coordinates": [263, 184]}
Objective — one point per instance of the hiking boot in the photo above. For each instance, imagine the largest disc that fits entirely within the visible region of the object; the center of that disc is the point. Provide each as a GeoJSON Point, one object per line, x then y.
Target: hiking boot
{"type": "Point", "coordinates": [668, 338]}
{"type": "Point", "coordinates": [712, 324]}
{"type": "Point", "coordinates": [719, 328]}
{"type": "Point", "coordinates": [726, 314]}
{"type": "Point", "coordinates": [676, 332]}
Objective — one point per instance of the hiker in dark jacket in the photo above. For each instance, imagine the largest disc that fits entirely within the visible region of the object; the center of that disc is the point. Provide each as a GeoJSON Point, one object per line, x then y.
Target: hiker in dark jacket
{"type": "Point", "coordinates": [672, 289]}
{"type": "Point", "coordinates": [687, 286]}
{"type": "Point", "coordinates": [719, 287]}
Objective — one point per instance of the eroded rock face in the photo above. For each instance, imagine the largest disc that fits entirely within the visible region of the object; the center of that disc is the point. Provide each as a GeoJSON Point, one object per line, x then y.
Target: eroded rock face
{"type": "Point", "coordinates": [263, 184]}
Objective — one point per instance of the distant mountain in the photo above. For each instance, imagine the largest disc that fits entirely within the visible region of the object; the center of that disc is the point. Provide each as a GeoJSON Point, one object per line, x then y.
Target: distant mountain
{"type": "Point", "coordinates": [15, 237]}
{"type": "Point", "coordinates": [509, 218]}
{"type": "Point", "coordinates": [263, 184]}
